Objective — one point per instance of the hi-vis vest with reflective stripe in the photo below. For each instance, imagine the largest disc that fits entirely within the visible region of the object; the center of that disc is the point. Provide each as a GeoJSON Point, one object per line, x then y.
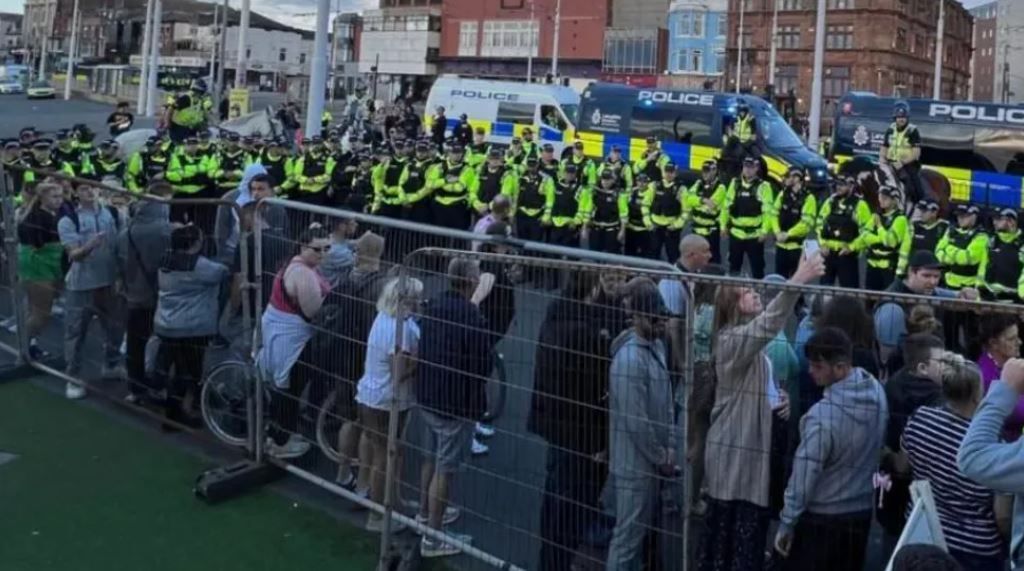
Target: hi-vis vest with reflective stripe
{"type": "Point", "coordinates": [745, 128]}
{"type": "Point", "coordinates": [899, 143]}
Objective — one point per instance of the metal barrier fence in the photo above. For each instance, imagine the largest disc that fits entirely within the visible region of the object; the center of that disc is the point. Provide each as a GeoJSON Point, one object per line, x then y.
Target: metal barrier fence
{"type": "Point", "coordinates": [549, 406]}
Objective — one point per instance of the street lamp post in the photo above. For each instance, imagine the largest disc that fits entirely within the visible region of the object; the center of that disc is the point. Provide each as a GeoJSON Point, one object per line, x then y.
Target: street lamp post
{"type": "Point", "coordinates": [147, 41]}
{"type": "Point", "coordinates": [154, 62]}
{"type": "Point", "coordinates": [817, 83]}
{"type": "Point", "coordinates": [554, 47]}
{"type": "Point", "coordinates": [739, 46]}
{"type": "Point", "coordinates": [775, 43]}
{"type": "Point", "coordinates": [72, 45]}
{"type": "Point", "coordinates": [318, 70]}
{"type": "Point", "coordinates": [243, 59]}
{"type": "Point", "coordinates": [939, 52]}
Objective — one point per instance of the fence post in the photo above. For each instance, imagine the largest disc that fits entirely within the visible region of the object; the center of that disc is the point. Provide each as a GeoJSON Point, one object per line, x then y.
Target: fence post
{"type": "Point", "coordinates": [393, 417]}
{"type": "Point", "coordinates": [688, 381]}
{"type": "Point", "coordinates": [257, 335]}
{"type": "Point", "coordinates": [10, 236]}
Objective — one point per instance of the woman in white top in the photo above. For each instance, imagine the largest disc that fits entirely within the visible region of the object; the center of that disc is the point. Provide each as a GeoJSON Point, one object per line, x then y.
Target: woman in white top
{"type": "Point", "coordinates": [387, 378]}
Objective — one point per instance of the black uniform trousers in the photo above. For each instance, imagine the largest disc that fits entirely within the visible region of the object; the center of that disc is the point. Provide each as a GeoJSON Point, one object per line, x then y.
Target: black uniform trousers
{"type": "Point", "coordinates": [877, 279]}
{"type": "Point", "coordinates": [714, 238]}
{"type": "Point", "coordinates": [753, 250]}
{"type": "Point", "coordinates": [605, 239]}
{"type": "Point", "coordinates": [668, 239]}
{"type": "Point", "coordinates": [638, 243]}
{"type": "Point", "coordinates": [842, 270]}
{"type": "Point", "coordinates": [787, 260]}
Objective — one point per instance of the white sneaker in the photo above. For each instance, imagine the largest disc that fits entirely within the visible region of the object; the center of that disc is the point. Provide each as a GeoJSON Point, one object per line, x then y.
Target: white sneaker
{"type": "Point", "coordinates": [375, 524]}
{"type": "Point", "coordinates": [479, 448]}
{"type": "Point", "coordinates": [294, 448]}
{"type": "Point", "coordinates": [435, 548]}
{"type": "Point", "coordinates": [484, 430]}
{"type": "Point", "coordinates": [74, 391]}
{"type": "Point", "coordinates": [10, 324]}
{"type": "Point", "coordinates": [451, 514]}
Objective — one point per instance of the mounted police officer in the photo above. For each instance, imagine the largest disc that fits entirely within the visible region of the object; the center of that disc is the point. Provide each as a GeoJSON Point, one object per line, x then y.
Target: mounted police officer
{"type": "Point", "coordinates": [901, 150]}
{"type": "Point", "coordinates": [189, 112]}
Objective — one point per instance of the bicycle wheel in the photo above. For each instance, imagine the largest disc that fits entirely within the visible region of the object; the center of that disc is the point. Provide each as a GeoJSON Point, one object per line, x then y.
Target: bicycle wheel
{"type": "Point", "coordinates": [225, 400]}
{"type": "Point", "coordinates": [328, 423]}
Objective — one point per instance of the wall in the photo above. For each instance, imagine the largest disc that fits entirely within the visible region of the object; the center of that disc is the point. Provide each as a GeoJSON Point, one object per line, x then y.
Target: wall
{"type": "Point", "coordinates": [711, 41]}
{"type": "Point", "coordinates": [265, 51]}
{"type": "Point", "coordinates": [983, 66]}
{"type": "Point", "coordinates": [639, 13]}
{"type": "Point", "coordinates": [1010, 42]}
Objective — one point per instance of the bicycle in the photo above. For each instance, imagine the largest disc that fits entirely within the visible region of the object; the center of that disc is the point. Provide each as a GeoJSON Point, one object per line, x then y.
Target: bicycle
{"type": "Point", "coordinates": [225, 401]}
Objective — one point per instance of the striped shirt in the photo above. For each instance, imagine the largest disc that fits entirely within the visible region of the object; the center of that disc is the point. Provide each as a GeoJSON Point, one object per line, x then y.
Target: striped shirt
{"type": "Point", "coordinates": [931, 439]}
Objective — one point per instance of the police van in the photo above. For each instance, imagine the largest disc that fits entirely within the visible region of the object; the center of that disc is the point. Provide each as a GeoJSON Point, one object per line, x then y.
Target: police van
{"type": "Point", "coordinates": [690, 126]}
{"type": "Point", "coordinates": [970, 151]}
{"type": "Point", "coordinates": [504, 108]}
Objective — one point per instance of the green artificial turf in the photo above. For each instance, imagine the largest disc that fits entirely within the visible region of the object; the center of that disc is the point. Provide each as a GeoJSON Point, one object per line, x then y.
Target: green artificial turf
{"type": "Point", "coordinates": [89, 493]}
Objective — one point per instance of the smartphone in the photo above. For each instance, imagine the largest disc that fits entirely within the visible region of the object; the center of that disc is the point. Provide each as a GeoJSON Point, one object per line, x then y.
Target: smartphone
{"type": "Point", "coordinates": [811, 247]}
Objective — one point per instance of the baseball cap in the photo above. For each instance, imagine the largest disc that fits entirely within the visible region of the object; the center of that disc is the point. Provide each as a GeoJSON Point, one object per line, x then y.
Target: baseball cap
{"type": "Point", "coordinates": [924, 259]}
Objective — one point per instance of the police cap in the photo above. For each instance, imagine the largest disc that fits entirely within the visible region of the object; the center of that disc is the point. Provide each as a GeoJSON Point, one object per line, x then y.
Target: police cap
{"type": "Point", "coordinates": [12, 144]}
{"type": "Point", "coordinates": [1007, 213]}
{"type": "Point", "coordinates": [709, 165]}
{"type": "Point", "coordinates": [578, 145]}
{"type": "Point", "coordinates": [527, 131]}
{"type": "Point", "coordinates": [890, 191]}
{"type": "Point", "coordinates": [456, 149]}
{"type": "Point", "coordinates": [928, 204]}
{"type": "Point", "coordinates": [231, 137]}
{"type": "Point", "coordinates": [62, 134]}
{"type": "Point", "coordinates": [42, 144]}
{"type": "Point", "coordinates": [494, 154]}
{"type": "Point", "coordinates": [966, 209]}
{"type": "Point", "coordinates": [607, 175]}
{"type": "Point", "coordinates": [548, 148]}
{"type": "Point", "coordinates": [191, 140]}
{"type": "Point", "coordinates": [532, 161]}
{"type": "Point", "coordinates": [570, 168]}
{"type": "Point", "coordinates": [652, 140]}
{"type": "Point", "coordinates": [749, 161]}
{"type": "Point", "coordinates": [670, 167]}
{"type": "Point", "coordinates": [204, 135]}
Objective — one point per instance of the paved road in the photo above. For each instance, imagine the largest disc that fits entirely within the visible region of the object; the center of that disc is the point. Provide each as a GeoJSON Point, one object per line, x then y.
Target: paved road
{"type": "Point", "coordinates": [49, 115]}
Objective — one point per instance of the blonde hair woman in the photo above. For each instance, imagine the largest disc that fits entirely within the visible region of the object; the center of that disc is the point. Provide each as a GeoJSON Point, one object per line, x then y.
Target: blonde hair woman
{"type": "Point", "coordinates": [386, 379]}
{"type": "Point", "coordinates": [737, 453]}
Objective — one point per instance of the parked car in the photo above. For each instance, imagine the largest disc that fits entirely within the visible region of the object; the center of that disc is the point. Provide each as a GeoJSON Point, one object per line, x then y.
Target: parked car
{"type": "Point", "coordinates": [9, 87]}
{"type": "Point", "coordinates": [41, 90]}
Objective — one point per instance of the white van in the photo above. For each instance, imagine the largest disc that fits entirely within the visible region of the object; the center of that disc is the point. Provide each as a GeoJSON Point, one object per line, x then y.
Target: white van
{"type": "Point", "coordinates": [504, 108]}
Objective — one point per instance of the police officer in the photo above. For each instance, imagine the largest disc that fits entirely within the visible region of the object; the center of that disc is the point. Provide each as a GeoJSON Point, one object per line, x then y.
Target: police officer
{"type": "Point", "coordinates": [189, 173]}
{"type": "Point", "coordinates": [275, 159]}
{"type": "Point", "coordinates": [548, 164]}
{"type": "Point", "coordinates": [566, 214]}
{"type": "Point", "coordinates": [452, 182]}
{"type": "Point", "coordinates": [926, 231]}
{"type": "Point", "coordinates": [85, 151]}
{"type": "Point", "coordinates": [845, 219]}
{"type": "Point", "coordinates": [741, 133]}
{"type": "Point", "coordinates": [12, 160]}
{"type": "Point", "coordinates": [108, 164]}
{"type": "Point", "coordinates": [417, 189]}
{"type": "Point", "coordinates": [963, 249]}
{"type": "Point", "coordinates": [744, 217]}
{"type": "Point", "coordinates": [792, 219]}
{"type": "Point", "coordinates": [38, 161]}
{"type": "Point", "coordinates": [667, 213]}
{"type": "Point", "coordinates": [639, 226]}
{"type": "Point", "coordinates": [476, 153]}
{"type": "Point", "coordinates": [652, 161]}
{"type": "Point", "coordinates": [515, 157]}
{"type": "Point", "coordinates": [606, 216]}
{"type": "Point", "coordinates": [147, 164]}
{"type": "Point", "coordinates": [493, 178]}
{"type": "Point", "coordinates": [312, 173]}
{"type": "Point", "coordinates": [885, 241]}
{"type": "Point", "coordinates": [27, 136]}
{"type": "Point", "coordinates": [64, 152]}
{"type": "Point", "coordinates": [228, 163]}
{"type": "Point", "coordinates": [361, 194]}
{"type": "Point", "coordinates": [463, 131]}
{"type": "Point", "coordinates": [532, 196]}
{"type": "Point", "coordinates": [530, 146]}
{"type": "Point", "coordinates": [702, 204]}
{"type": "Point", "coordinates": [621, 169]}
{"type": "Point", "coordinates": [1002, 269]}
{"type": "Point", "coordinates": [207, 148]}
{"type": "Point", "coordinates": [188, 113]}
{"type": "Point", "coordinates": [586, 171]}
{"type": "Point", "coordinates": [326, 119]}
{"type": "Point", "coordinates": [901, 150]}
{"type": "Point", "coordinates": [388, 188]}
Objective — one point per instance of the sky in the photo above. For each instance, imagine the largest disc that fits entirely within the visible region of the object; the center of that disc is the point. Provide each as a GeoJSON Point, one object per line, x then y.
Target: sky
{"type": "Point", "coordinates": [286, 11]}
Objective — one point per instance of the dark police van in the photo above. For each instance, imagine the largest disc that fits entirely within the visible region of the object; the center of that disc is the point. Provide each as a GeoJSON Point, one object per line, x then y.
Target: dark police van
{"type": "Point", "coordinates": [970, 151]}
{"type": "Point", "coordinates": [689, 124]}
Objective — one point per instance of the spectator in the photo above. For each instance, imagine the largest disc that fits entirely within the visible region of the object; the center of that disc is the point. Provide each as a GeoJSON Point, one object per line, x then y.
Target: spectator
{"type": "Point", "coordinates": [87, 234]}
{"type": "Point", "coordinates": [924, 557]}
{"type": "Point", "coordinates": [702, 394]}
{"type": "Point", "coordinates": [39, 259]}
{"type": "Point", "coordinates": [340, 259]}
{"type": "Point", "coordinates": [387, 378]}
{"type": "Point", "coordinates": [121, 120]}
{"type": "Point", "coordinates": [967, 511]}
{"type": "Point", "coordinates": [827, 516]}
{"type": "Point", "coordinates": [186, 318]}
{"type": "Point", "coordinates": [694, 256]}
{"type": "Point", "coordinates": [739, 439]}
{"type": "Point", "coordinates": [999, 339]}
{"type": "Point", "coordinates": [569, 410]}
{"type": "Point", "coordinates": [500, 211]}
{"type": "Point", "coordinates": [288, 116]}
{"type": "Point", "coordinates": [255, 186]}
{"type": "Point", "coordinates": [848, 314]}
{"type": "Point", "coordinates": [297, 296]}
{"type": "Point", "coordinates": [642, 439]}
{"type": "Point", "coordinates": [455, 362]}
{"type": "Point", "coordinates": [140, 249]}
{"type": "Point", "coordinates": [921, 319]}
{"type": "Point", "coordinates": [995, 465]}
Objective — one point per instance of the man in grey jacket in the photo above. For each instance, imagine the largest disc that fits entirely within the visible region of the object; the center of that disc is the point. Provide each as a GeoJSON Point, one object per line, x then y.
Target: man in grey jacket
{"type": "Point", "coordinates": [827, 516]}
{"type": "Point", "coordinates": [992, 463]}
{"type": "Point", "coordinates": [139, 249]}
{"type": "Point", "coordinates": [642, 434]}
{"type": "Point", "coordinates": [255, 185]}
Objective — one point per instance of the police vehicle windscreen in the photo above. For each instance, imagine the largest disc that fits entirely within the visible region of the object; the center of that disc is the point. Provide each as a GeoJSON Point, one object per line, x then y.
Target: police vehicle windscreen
{"type": "Point", "coordinates": [571, 111]}
{"type": "Point", "coordinates": [777, 134]}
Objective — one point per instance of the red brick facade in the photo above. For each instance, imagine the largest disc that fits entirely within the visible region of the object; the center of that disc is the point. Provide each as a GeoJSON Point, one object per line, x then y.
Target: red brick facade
{"type": "Point", "coordinates": [984, 77]}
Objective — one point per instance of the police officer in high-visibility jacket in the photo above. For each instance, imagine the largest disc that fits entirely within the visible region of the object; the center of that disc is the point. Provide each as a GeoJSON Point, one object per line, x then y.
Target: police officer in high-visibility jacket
{"type": "Point", "coordinates": [147, 164]}
{"type": "Point", "coordinates": [925, 232]}
{"type": "Point", "coordinates": [844, 220]}
{"type": "Point", "coordinates": [229, 162]}
{"type": "Point", "coordinates": [652, 161]}
{"type": "Point", "coordinates": [586, 170]}
{"type": "Point", "coordinates": [566, 214]}
{"type": "Point", "coordinates": [417, 179]}
{"type": "Point", "coordinates": [107, 165]}
{"type": "Point", "coordinates": [885, 241]}
{"type": "Point", "coordinates": [549, 163]}
{"type": "Point", "coordinates": [275, 159]}
{"type": "Point", "coordinates": [476, 153]}
{"type": "Point", "coordinates": [189, 110]}
{"type": "Point", "coordinates": [667, 213]}
{"type": "Point", "coordinates": [639, 226]}
{"type": "Point", "coordinates": [493, 178]}
{"type": "Point", "coordinates": [963, 249]}
{"type": "Point", "coordinates": [901, 149]}
{"type": "Point", "coordinates": [793, 216]}
{"type": "Point", "coordinates": [621, 169]}
{"type": "Point", "coordinates": [313, 172]}
{"type": "Point", "coordinates": [189, 173]}
{"type": "Point", "coordinates": [1002, 269]}
{"type": "Point", "coordinates": [745, 214]}
{"type": "Point", "coordinates": [606, 215]}
{"type": "Point", "coordinates": [702, 206]}
{"type": "Point", "coordinates": [389, 186]}
{"type": "Point", "coordinates": [740, 138]}
{"type": "Point", "coordinates": [452, 182]}
{"type": "Point", "coordinates": [532, 199]}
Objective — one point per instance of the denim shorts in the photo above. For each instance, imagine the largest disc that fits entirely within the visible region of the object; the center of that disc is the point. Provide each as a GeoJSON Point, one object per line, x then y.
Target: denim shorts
{"type": "Point", "coordinates": [449, 440]}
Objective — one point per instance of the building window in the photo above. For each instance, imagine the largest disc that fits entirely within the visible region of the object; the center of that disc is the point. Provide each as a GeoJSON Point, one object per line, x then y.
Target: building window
{"type": "Point", "coordinates": [690, 24]}
{"type": "Point", "coordinates": [302, 58]}
{"type": "Point", "coordinates": [786, 78]}
{"type": "Point", "coordinates": [837, 82]}
{"type": "Point", "coordinates": [720, 63]}
{"type": "Point", "coordinates": [792, 4]}
{"type": "Point", "coordinates": [508, 38]}
{"type": "Point", "coordinates": [512, 4]}
{"type": "Point", "coordinates": [631, 51]}
{"type": "Point", "coordinates": [789, 37]}
{"type": "Point", "coordinates": [517, 113]}
{"type": "Point", "coordinates": [467, 38]}
{"type": "Point", "coordinates": [281, 55]}
{"type": "Point", "coordinates": [722, 25]}
{"type": "Point", "coordinates": [746, 40]}
{"type": "Point", "coordinates": [690, 61]}
{"type": "Point", "coordinates": [839, 38]}
{"type": "Point", "coordinates": [901, 39]}
{"type": "Point", "coordinates": [840, 4]}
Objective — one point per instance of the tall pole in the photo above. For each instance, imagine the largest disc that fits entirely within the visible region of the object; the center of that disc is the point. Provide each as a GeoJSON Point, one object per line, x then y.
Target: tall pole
{"type": "Point", "coordinates": [1006, 73]}
{"type": "Point", "coordinates": [554, 47]}
{"type": "Point", "coordinates": [243, 60]}
{"type": "Point", "coordinates": [154, 62]}
{"type": "Point", "coordinates": [819, 71]}
{"type": "Point", "coordinates": [147, 40]}
{"type": "Point", "coordinates": [318, 70]}
{"type": "Point", "coordinates": [69, 71]}
{"type": "Point", "coordinates": [334, 48]}
{"type": "Point", "coordinates": [213, 47]}
{"type": "Point", "coordinates": [222, 47]}
{"type": "Point", "coordinates": [775, 43]}
{"type": "Point", "coordinates": [939, 52]}
{"type": "Point", "coordinates": [533, 42]}
{"type": "Point", "coordinates": [739, 47]}
{"type": "Point", "coordinates": [47, 32]}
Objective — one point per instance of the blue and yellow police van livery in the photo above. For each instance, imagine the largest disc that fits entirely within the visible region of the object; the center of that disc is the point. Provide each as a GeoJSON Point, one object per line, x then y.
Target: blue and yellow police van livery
{"type": "Point", "coordinates": [970, 151]}
{"type": "Point", "coordinates": [690, 126]}
{"type": "Point", "coordinates": [504, 108]}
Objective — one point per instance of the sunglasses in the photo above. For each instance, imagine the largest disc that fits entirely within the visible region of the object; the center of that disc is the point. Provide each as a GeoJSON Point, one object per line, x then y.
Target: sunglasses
{"type": "Point", "coordinates": [319, 249]}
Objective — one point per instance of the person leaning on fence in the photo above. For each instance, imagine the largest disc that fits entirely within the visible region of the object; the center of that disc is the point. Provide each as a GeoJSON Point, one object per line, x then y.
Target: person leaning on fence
{"type": "Point", "coordinates": [140, 247]}
{"type": "Point", "coordinates": [827, 515]}
{"type": "Point", "coordinates": [455, 363]}
{"type": "Point", "coordinates": [186, 319]}
{"type": "Point", "coordinates": [999, 341]}
{"type": "Point", "coordinates": [39, 258]}
{"type": "Point", "coordinates": [973, 518]}
{"type": "Point", "coordinates": [641, 428]}
{"type": "Point", "coordinates": [341, 257]}
{"type": "Point", "coordinates": [297, 295]}
{"type": "Point", "coordinates": [88, 233]}
{"type": "Point", "coordinates": [254, 186]}
{"type": "Point", "coordinates": [737, 465]}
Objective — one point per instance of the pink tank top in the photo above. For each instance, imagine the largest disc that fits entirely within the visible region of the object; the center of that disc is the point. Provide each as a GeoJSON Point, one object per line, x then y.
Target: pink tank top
{"type": "Point", "coordinates": [279, 297]}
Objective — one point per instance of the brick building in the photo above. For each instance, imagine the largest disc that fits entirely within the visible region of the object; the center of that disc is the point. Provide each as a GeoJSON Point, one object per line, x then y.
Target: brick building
{"type": "Point", "coordinates": [983, 66]}
{"type": "Point", "coordinates": [494, 38]}
{"type": "Point", "coordinates": [884, 46]}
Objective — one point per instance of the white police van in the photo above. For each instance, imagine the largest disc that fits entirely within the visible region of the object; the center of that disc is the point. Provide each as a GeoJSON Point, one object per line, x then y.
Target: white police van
{"type": "Point", "coordinates": [504, 108]}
